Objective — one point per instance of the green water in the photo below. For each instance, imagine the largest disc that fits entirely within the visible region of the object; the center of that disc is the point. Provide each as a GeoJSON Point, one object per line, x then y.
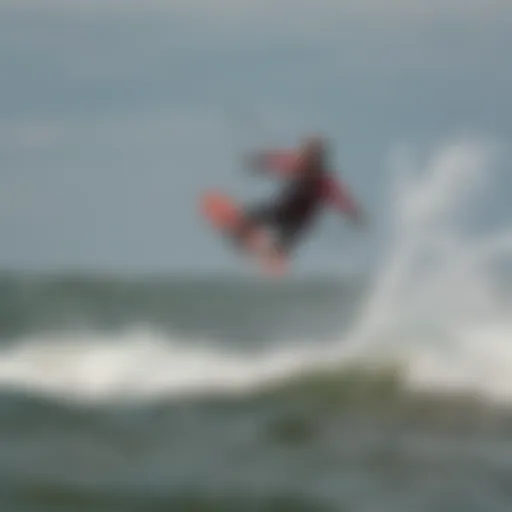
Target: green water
{"type": "Point", "coordinates": [352, 438]}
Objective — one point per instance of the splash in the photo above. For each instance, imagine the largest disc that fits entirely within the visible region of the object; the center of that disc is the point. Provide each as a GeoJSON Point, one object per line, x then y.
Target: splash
{"type": "Point", "coordinates": [437, 302]}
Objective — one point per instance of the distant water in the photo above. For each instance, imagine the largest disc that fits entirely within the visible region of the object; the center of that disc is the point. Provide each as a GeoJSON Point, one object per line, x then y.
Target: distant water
{"type": "Point", "coordinates": [224, 309]}
{"type": "Point", "coordinates": [390, 393]}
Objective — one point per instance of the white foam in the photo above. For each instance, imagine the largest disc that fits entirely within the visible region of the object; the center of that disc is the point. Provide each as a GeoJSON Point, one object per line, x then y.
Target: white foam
{"type": "Point", "coordinates": [141, 364]}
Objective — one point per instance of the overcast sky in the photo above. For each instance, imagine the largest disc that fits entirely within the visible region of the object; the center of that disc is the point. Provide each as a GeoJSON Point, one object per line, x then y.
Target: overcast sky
{"type": "Point", "coordinates": [115, 115]}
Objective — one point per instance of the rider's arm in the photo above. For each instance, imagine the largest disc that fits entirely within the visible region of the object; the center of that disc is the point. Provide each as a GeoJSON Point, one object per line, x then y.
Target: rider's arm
{"type": "Point", "coordinates": [339, 198]}
{"type": "Point", "coordinates": [278, 162]}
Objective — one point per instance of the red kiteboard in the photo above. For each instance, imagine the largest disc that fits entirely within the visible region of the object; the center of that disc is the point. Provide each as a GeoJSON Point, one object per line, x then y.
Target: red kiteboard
{"type": "Point", "coordinates": [225, 216]}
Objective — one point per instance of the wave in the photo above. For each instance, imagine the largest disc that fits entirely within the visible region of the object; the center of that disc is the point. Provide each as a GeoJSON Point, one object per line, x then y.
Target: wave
{"type": "Point", "coordinates": [139, 364]}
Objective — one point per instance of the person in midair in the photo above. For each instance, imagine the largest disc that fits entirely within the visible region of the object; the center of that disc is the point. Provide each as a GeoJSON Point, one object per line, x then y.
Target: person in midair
{"type": "Point", "coordinates": [309, 185]}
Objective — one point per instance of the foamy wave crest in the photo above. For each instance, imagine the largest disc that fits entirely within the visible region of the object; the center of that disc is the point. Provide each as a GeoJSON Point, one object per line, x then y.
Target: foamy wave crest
{"type": "Point", "coordinates": [142, 364]}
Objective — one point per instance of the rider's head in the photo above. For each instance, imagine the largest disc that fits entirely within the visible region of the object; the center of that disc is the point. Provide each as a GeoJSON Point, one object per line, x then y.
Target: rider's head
{"type": "Point", "coordinates": [314, 151]}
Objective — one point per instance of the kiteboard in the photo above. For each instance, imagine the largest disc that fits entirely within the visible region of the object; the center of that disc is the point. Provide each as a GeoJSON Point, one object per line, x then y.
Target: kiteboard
{"type": "Point", "coordinates": [225, 216]}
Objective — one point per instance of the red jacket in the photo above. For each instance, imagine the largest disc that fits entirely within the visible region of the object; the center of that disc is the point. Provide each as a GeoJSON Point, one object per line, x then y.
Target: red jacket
{"type": "Point", "coordinates": [285, 164]}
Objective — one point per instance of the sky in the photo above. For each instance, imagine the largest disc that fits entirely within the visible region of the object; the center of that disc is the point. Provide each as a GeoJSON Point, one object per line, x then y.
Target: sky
{"type": "Point", "coordinates": [116, 115]}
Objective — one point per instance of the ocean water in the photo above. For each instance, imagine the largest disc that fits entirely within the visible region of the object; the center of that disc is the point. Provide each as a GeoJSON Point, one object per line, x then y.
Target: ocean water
{"type": "Point", "coordinates": [388, 392]}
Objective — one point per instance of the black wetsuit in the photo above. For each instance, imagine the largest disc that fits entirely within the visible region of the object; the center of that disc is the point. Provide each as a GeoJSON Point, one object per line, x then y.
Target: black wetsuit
{"type": "Point", "coordinates": [293, 211]}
